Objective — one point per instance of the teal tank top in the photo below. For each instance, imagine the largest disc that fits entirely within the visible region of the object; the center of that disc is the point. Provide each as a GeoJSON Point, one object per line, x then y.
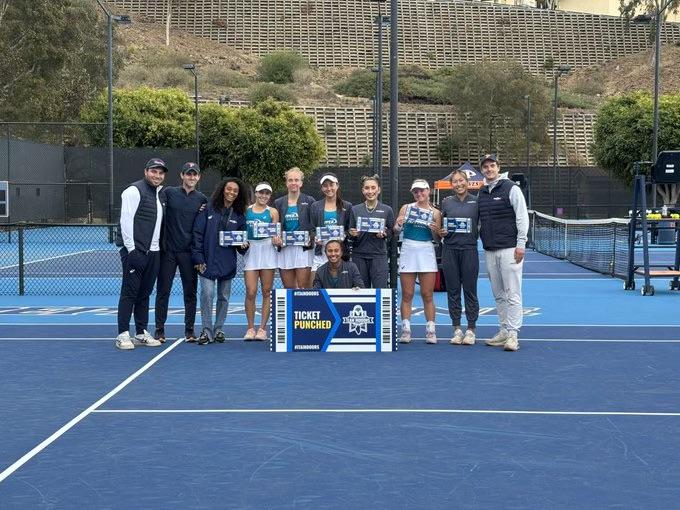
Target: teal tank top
{"type": "Point", "coordinates": [252, 218]}
{"type": "Point", "coordinates": [330, 218]}
{"type": "Point", "coordinates": [292, 219]}
{"type": "Point", "coordinates": [417, 232]}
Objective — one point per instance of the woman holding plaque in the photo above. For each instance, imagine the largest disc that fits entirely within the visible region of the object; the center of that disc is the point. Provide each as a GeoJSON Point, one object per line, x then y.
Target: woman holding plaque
{"type": "Point", "coordinates": [420, 224]}
{"type": "Point", "coordinates": [330, 211]}
{"type": "Point", "coordinates": [260, 261]}
{"type": "Point", "coordinates": [295, 255]}
{"type": "Point", "coordinates": [460, 259]}
{"type": "Point", "coordinates": [369, 225]}
{"type": "Point", "coordinates": [214, 255]}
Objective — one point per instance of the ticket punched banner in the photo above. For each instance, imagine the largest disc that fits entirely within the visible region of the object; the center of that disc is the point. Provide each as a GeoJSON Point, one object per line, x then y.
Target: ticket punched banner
{"type": "Point", "coordinates": [333, 320]}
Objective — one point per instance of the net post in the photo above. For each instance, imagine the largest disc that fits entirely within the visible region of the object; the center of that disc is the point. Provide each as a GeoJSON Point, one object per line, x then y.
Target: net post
{"type": "Point", "coordinates": [21, 260]}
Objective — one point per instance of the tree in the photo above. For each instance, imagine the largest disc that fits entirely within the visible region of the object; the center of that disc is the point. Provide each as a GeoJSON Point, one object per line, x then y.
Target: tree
{"type": "Point", "coordinates": [547, 4]}
{"type": "Point", "coordinates": [259, 143]}
{"type": "Point", "coordinates": [623, 130]}
{"type": "Point", "coordinates": [630, 8]}
{"type": "Point", "coordinates": [169, 5]}
{"type": "Point", "coordinates": [53, 58]}
{"type": "Point", "coordinates": [492, 95]}
{"type": "Point", "coordinates": [144, 117]}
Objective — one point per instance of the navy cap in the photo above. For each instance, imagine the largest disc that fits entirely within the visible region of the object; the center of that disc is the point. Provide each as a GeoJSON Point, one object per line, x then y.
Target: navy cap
{"type": "Point", "coordinates": [489, 157]}
{"type": "Point", "coordinates": [191, 167]}
{"type": "Point", "coordinates": [156, 163]}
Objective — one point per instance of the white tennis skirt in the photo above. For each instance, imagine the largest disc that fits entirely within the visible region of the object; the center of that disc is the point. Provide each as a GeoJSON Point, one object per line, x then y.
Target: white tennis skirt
{"type": "Point", "coordinates": [261, 255]}
{"type": "Point", "coordinates": [417, 257]}
{"type": "Point", "coordinates": [319, 260]}
{"type": "Point", "coordinates": [294, 257]}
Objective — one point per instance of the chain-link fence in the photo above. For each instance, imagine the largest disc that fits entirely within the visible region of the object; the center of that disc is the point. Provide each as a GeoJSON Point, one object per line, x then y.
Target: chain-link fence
{"type": "Point", "coordinates": [71, 260]}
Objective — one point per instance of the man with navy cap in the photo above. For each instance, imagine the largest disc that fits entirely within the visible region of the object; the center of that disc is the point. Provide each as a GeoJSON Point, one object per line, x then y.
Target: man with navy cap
{"type": "Point", "coordinates": [504, 225]}
{"type": "Point", "coordinates": [182, 205]}
{"type": "Point", "coordinates": [139, 232]}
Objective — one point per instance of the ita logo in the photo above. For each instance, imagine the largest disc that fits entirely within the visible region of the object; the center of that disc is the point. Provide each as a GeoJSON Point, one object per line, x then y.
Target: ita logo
{"type": "Point", "coordinates": [358, 320]}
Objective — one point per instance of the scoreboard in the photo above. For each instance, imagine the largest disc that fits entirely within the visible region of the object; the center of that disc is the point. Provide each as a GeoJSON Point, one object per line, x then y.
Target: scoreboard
{"type": "Point", "coordinates": [333, 320]}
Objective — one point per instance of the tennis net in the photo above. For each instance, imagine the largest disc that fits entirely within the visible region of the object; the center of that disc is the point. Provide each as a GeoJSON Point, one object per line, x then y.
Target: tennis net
{"type": "Point", "coordinates": [598, 245]}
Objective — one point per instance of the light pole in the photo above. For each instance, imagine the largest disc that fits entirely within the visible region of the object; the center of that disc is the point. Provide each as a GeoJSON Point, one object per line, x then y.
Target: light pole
{"type": "Point", "coordinates": [192, 69]}
{"type": "Point", "coordinates": [661, 7]}
{"type": "Point", "coordinates": [394, 133]}
{"type": "Point", "coordinates": [378, 97]}
{"type": "Point", "coordinates": [123, 20]}
{"type": "Point", "coordinates": [528, 137]}
{"type": "Point", "coordinates": [558, 72]}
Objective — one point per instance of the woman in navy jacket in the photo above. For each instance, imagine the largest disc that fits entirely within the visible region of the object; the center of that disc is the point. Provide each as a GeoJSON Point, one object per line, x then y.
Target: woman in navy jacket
{"type": "Point", "coordinates": [330, 210]}
{"type": "Point", "coordinates": [216, 265]}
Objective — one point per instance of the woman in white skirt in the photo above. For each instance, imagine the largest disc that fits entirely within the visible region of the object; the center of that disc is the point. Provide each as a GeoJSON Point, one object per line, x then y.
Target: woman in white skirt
{"type": "Point", "coordinates": [260, 260]}
{"type": "Point", "coordinates": [295, 262]}
{"type": "Point", "coordinates": [420, 223]}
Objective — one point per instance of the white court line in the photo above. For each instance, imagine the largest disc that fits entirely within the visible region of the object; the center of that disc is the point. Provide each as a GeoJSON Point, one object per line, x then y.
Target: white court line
{"type": "Point", "coordinates": [49, 258]}
{"type": "Point", "coordinates": [485, 324]}
{"type": "Point", "coordinates": [593, 340]}
{"type": "Point", "coordinates": [442, 340]}
{"type": "Point", "coordinates": [376, 411]}
{"type": "Point", "coordinates": [68, 426]}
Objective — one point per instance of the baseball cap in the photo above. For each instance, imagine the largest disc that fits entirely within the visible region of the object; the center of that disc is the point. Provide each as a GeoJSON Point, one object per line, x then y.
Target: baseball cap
{"type": "Point", "coordinates": [489, 157]}
{"type": "Point", "coordinates": [420, 184]}
{"type": "Point", "coordinates": [263, 186]}
{"type": "Point", "coordinates": [191, 167]}
{"type": "Point", "coordinates": [156, 163]}
{"type": "Point", "coordinates": [328, 177]}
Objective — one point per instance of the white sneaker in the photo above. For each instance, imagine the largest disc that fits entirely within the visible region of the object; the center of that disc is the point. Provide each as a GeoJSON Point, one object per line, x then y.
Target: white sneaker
{"type": "Point", "coordinates": [511, 344]}
{"type": "Point", "coordinates": [146, 339]}
{"type": "Point", "coordinates": [123, 341]}
{"type": "Point", "coordinates": [431, 337]}
{"type": "Point", "coordinates": [457, 337]}
{"type": "Point", "coordinates": [498, 340]}
{"type": "Point", "coordinates": [469, 338]}
{"type": "Point", "coordinates": [405, 336]}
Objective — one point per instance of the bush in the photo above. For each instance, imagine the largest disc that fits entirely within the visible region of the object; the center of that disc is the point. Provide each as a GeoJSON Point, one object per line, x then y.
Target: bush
{"type": "Point", "coordinates": [174, 78]}
{"type": "Point", "coordinates": [222, 77]}
{"type": "Point", "coordinates": [143, 117]}
{"type": "Point", "coordinates": [263, 91]}
{"type": "Point", "coordinates": [572, 100]}
{"type": "Point", "coordinates": [259, 143]}
{"type": "Point", "coordinates": [280, 66]}
{"type": "Point", "coordinates": [361, 83]}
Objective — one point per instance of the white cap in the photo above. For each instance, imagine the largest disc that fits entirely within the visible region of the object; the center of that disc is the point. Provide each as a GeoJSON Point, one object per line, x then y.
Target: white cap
{"type": "Point", "coordinates": [420, 184]}
{"type": "Point", "coordinates": [263, 186]}
{"type": "Point", "coordinates": [328, 177]}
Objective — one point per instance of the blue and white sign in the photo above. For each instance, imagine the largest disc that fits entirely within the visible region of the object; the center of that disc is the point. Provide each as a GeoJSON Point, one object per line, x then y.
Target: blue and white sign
{"type": "Point", "coordinates": [295, 238]}
{"type": "Point", "coordinates": [419, 216]}
{"type": "Point", "coordinates": [333, 320]}
{"type": "Point", "coordinates": [263, 230]}
{"type": "Point", "coordinates": [458, 225]}
{"type": "Point", "coordinates": [233, 237]}
{"type": "Point", "coordinates": [371, 225]}
{"type": "Point", "coordinates": [330, 233]}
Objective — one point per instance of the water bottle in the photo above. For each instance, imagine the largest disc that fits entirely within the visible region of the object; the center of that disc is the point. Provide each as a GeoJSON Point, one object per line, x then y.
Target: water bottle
{"type": "Point", "coordinates": [664, 211]}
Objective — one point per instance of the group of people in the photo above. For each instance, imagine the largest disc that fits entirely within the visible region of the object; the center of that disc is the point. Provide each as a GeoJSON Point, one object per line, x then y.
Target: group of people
{"type": "Point", "coordinates": [166, 228]}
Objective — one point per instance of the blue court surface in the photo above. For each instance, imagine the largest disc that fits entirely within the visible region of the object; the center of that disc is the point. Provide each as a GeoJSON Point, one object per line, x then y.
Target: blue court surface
{"type": "Point", "coordinates": [586, 414]}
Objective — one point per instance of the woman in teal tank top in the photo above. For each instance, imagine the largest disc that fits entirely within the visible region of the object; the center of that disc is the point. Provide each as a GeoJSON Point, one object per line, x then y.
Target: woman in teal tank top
{"type": "Point", "coordinates": [260, 260]}
{"type": "Point", "coordinates": [419, 222]}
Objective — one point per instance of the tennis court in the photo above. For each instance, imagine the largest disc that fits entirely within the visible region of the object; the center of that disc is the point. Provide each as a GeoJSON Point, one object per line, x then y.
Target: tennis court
{"type": "Point", "coordinates": [585, 414]}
